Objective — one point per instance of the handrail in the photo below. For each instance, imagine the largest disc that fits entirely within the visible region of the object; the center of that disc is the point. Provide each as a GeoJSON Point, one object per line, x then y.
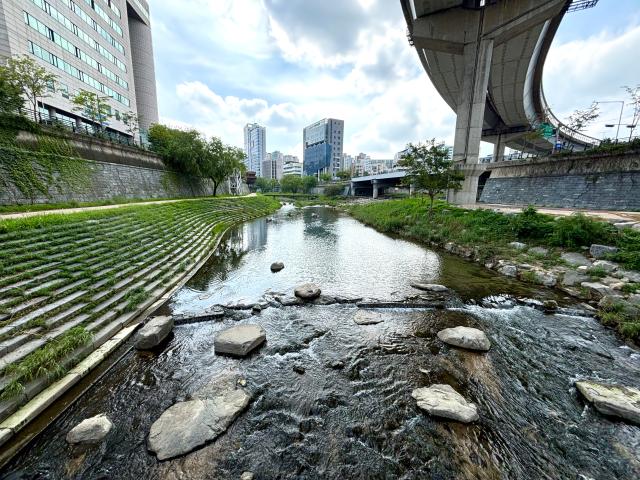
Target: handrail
{"type": "Point", "coordinates": [565, 130]}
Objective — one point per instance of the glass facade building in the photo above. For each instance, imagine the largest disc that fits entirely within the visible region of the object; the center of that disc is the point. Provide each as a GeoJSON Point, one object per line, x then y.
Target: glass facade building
{"type": "Point", "coordinates": [255, 147]}
{"type": "Point", "coordinates": [323, 142]}
{"type": "Point", "coordinates": [102, 46]}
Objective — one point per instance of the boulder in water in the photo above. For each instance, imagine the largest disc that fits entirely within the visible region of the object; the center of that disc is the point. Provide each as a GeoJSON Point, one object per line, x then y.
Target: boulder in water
{"type": "Point", "coordinates": [364, 317]}
{"type": "Point", "coordinates": [614, 400]}
{"type": "Point", "coordinates": [154, 332]}
{"type": "Point", "coordinates": [307, 291]}
{"type": "Point", "coordinates": [277, 266]}
{"type": "Point", "coordinates": [443, 401]}
{"type": "Point", "coordinates": [239, 340]}
{"type": "Point", "coordinates": [90, 431]}
{"type": "Point", "coordinates": [188, 425]}
{"type": "Point", "coordinates": [465, 337]}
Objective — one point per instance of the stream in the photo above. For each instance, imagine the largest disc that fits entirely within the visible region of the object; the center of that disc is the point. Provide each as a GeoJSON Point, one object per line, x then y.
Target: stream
{"type": "Point", "coordinates": [351, 414]}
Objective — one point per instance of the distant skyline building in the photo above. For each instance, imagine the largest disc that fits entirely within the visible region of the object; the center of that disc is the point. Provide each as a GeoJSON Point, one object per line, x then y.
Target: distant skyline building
{"type": "Point", "coordinates": [272, 166]}
{"type": "Point", "coordinates": [292, 167]}
{"type": "Point", "coordinates": [322, 144]}
{"type": "Point", "coordinates": [255, 147]}
{"type": "Point", "coordinates": [104, 47]}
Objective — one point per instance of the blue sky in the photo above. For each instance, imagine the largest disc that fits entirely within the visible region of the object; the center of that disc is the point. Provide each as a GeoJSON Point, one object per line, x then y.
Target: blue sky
{"type": "Point", "coordinates": [287, 63]}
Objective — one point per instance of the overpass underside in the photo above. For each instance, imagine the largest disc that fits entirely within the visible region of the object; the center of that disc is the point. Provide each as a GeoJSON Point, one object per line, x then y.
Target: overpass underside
{"type": "Point", "coordinates": [486, 59]}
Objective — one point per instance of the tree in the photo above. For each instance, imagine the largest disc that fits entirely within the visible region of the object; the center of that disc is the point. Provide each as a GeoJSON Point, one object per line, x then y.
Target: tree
{"type": "Point", "coordinates": [10, 94]}
{"type": "Point", "coordinates": [344, 174]}
{"type": "Point", "coordinates": [309, 182]}
{"type": "Point", "coordinates": [428, 168]}
{"type": "Point", "coordinates": [580, 119]}
{"type": "Point", "coordinates": [266, 184]}
{"type": "Point", "coordinates": [325, 177]}
{"type": "Point", "coordinates": [132, 121]}
{"type": "Point", "coordinates": [180, 150]}
{"type": "Point", "coordinates": [219, 162]}
{"type": "Point", "coordinates": [32, 79]}
{"type": "Point", "coordinates": [634, 95]}
{"type": "Point", "coordinates": [291, 183]}
{"type": "Point", "coordinates": [92, 106]}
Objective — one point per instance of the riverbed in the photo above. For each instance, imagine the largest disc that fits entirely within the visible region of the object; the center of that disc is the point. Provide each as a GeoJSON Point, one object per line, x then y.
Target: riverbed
{"type": "Point", "coordinates": [350, 415]}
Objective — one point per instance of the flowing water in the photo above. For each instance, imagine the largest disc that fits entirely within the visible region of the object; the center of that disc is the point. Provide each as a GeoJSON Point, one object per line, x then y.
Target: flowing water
{"type": "Point", "coordinates": [351, 415]}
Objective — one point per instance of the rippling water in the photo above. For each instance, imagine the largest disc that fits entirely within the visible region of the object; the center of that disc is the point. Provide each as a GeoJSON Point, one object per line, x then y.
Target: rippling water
{"type": "Point", "coordinates": [359, 421]}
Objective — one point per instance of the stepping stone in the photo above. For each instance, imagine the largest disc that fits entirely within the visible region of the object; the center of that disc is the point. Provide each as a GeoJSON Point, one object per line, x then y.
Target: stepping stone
{"type": "Point", "coordinates": [90, 431]}
{"type": "Point", "coordinates": [614, 400]}
{"type": "Point", "coordinates": [308, 291]}
{"type": "Point", "coordinates": [363, 317]}
{"type": "Point", "coordinates": [443, 401]}
{"type": "Point", "coordinates": [154, 332]}
{"type": "Point", "coordinates": [239, 340]}
{"type": "Point", "coordinates": [575, 259]}
{"type": "Point", "coordinates": [188, 425]}
{"type": "Point", "coordinates": [465, 337]}
{"type": "Point", "coordinates": [277, 266]}
{"type": "Point", "coordinates": [430, 287]}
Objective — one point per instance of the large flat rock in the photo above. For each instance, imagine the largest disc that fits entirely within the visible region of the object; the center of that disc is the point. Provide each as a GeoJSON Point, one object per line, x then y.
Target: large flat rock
{"type": "Point", "coordinates": [465, 337]}
{"type": "Point", "coordinates": [239, 340]}
{"type": "Point", "coordinates": [307, 291]}
{"type": "Point", "coordinates": [188, 425]}
{"type": "Point", "coordinates": [614, 400]}
{"type": "Point", "coordinates": [90, 431]}
{"type": "Point", "coordinates": [154, 332]}
{"type": "Point", "coordinates": [364, 317]}
{"type": "Point", "coordinates": [443, 401]}
{"type": "Point", "coordinates": [430, 287]}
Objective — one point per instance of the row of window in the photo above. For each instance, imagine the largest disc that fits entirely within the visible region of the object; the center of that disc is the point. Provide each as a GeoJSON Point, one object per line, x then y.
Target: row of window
{"type": "Point", "coordinates": [63, 89]}
{"type": "Point", "coordinates": [58, 62]}
{"type": "Point", "coordinates": [84, 36]}
{"type": "Point", "coordinates": [98, 28]}
{"type": "Point", "coordinates": [145, 12]}
{"type": "Point", "coordinates": [71, 48]}
{"type": "Point", "coordinates": [112, 23]}
{"type": "Point", "coordinates": [112, 5]}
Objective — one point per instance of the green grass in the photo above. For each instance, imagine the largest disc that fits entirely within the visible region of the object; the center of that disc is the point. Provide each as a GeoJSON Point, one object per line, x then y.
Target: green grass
{"type": "Point", "coordinates": [625, 319]}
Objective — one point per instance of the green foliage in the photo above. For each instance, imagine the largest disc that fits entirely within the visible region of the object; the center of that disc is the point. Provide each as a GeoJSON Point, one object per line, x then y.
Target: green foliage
{"type": "Point", "coordinates": [134, 298]}
{"type": "Point", "coordinates": [578, 230]}
{"type": "Point", "coordinates": [429, 168]}
{"type": "Point", "coordinates": [266, 185]}
{"type": "Point", "coordinates": [291, 184]}
{"type": "Point", "coordinates": [343, 174]}
{"type": "Point", "coordinates": [180, 150]}
{"type": "Point", "coordinates": [220, 161]}
{"type": "Point", "coordinates": [325, 177]}
{"type": "Point", "coordinates": [631, 287]}
{"type": "Point", "coordinates": [92, 106]}
{"type": "Point", "coordinates": [132, 121]}
{"type": "Point", "coordinates": [333, 190]}
{"type": "Point", "coordinates": [10, 94]}
{"type": "Point", "coordinates": [597, 272]}
{"type": "Point", "coordinates": [629, 244]}
{"type": "Point", "coordinates": [532, 225]}
{"type": "Point", "coordinates": [624, 318]}
{"type": "Point", "coordinates": [33, 80]}
{"type": "Point", "coordinates": [309, 182]}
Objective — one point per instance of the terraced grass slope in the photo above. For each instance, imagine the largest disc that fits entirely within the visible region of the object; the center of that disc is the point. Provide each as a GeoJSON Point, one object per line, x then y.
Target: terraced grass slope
{"type": "Point", "coordinates": [68, 283]}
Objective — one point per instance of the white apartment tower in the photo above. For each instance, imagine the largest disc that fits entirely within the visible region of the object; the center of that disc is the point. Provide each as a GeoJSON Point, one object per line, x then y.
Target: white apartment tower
{"type": "Point", "coordinates": [103, 46]}
{"type": "Point", "coordinates": [255, 147]}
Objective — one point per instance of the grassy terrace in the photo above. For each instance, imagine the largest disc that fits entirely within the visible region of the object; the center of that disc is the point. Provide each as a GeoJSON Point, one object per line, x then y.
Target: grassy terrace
{"type": "Point", "coordinates": [69, 282]}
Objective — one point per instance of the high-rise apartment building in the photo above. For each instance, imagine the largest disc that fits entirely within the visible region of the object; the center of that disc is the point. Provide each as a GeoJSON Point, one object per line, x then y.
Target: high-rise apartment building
{"type": "Point", "coordinates": [255, 147]}
{"type": "Point", "coordinates": [322, 143]}
{"type": "Point", "coordinates": [272, 166]}
{"type": "Point", "coordinates": [102, 46]}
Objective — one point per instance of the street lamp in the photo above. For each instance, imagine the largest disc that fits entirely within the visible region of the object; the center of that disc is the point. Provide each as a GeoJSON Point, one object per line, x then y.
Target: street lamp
{"type": "Point", "coordinates": [619, 120]}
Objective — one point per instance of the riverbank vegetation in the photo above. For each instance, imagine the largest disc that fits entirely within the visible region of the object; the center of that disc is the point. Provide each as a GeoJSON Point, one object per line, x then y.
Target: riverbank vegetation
{"type": "Point", "coordinates": [66, 280]}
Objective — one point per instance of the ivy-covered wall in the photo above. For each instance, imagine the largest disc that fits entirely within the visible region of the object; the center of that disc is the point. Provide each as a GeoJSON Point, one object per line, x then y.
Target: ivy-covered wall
{"type": "Point", "coordinates": [39, 168]}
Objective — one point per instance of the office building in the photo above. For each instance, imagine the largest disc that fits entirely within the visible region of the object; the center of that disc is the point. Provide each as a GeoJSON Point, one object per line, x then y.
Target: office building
{"type": "Point", "coordinates": [102, 46]}
{"type": "Point", "coordinates": [292, 167]}
{"type": "Point", "coordinates": [322, 143]}
{"type": "Point", "coordinates": [255, 147]}
{"type": "Point", "coordinates": [272, 166]}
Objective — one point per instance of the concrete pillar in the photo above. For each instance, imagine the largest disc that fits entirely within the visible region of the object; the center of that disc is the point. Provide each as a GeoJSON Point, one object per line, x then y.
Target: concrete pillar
{"type": "Point", "coordinates": [498, 150]}
{"type": "Point", "coordinates": [52, 112]}
{"type": "Point", "coordinates": [353, 189]}
{"type": "Point", "coordinates": [375, 188]}
{"type": "Point", "coordinates": [412, 189]}
{"type": "Point", "coordinates": [470, 117]}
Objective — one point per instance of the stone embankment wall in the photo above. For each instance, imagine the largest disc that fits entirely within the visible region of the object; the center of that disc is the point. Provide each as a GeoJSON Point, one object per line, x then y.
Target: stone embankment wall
{"type": "Point", "coordinates": [601, 182]}
{"type": "Point", "coordinates": [112, 172]}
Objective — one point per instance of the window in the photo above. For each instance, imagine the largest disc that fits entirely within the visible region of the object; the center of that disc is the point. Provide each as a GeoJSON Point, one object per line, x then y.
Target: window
{"type": "Point", "coordinates": [63, 89]}
{"type": "Point", "coordinates": [51, 87]}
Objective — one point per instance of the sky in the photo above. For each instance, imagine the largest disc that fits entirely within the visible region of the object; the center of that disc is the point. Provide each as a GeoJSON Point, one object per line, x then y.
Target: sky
{"type": "Point", "coordinates": [286, 63]}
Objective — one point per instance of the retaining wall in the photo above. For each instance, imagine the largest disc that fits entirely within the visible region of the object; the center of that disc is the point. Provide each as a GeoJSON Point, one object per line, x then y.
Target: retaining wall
{"type": "Point", "coordinates": [600, 182]}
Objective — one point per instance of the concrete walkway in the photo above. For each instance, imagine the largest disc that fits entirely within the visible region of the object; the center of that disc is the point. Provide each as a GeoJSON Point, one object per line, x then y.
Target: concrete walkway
{"type": "Point", "coordinates": [608, 215]}
{"type": "Point", "coordinates": [64, 211]}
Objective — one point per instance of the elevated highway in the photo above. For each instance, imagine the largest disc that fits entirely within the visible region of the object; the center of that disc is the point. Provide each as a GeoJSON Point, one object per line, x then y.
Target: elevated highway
{"type": "Point", "coordinates": [486, 59]}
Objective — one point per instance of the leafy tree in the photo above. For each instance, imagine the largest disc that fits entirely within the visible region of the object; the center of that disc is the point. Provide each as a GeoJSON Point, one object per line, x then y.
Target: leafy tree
{"type": "Point", "coordinates": [291, 183]}
{"type": "Point", "coordinates": [32, 79]}
{"type": "Point", "coordinates": [428, 168]}
{"type": "Point", "coordinates": [344, 174]}
{"type": "Point", "coordinates": [132, 121]}
{"type": "Point", "coordinates": [634, 95]}
{"type": "Point", "coordinates": [92, 106]}
{"type": "Point", "coordinates": [220, 161]}
{"type": "Point", "coordinates": [10, 94]}
{"type": "Point", "coordinates": [309, 182]}
{"type": "Point", "coordinates": [179, 149]}
{"type": "Point", "coordinates": [580, 119]}
{"type": "Point", "coordinates": [266, 184]}
{"type": "Point", "coordinates": [325, 177]}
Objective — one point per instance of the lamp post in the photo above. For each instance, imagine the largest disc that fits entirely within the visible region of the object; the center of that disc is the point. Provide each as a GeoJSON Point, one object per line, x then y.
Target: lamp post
{"type": "Point", "coordinates": [620, 119]}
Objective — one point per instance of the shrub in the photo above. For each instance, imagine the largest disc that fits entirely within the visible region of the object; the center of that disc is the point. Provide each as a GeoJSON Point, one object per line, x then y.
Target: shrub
{"type": "Point", "coordinates": [532, 225]}
{"type": "Point", "coordinates": [629, 245]}
{"type": "Point", "coordinates": [334, 190]}
{"type": "Point", "coordinates": [578, 230]}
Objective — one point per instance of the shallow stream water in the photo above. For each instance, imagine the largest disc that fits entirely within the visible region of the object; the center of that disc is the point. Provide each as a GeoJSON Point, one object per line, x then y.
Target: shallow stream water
{"type": "Point", "coordinates": [356, 419]}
